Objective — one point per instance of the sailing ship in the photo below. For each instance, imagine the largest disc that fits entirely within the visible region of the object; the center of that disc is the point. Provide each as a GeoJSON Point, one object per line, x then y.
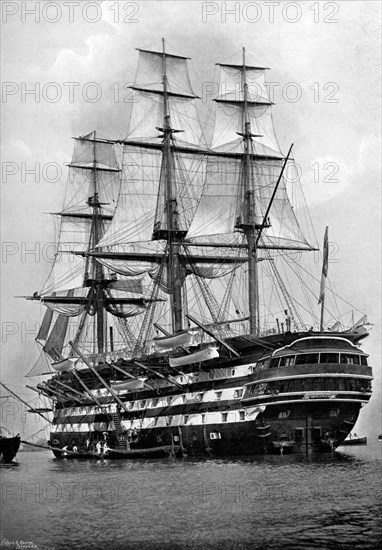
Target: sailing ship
{"type": "Point", "coordinates": [9, 445]}
{"type": "Point", "coordinates": [174, 319]}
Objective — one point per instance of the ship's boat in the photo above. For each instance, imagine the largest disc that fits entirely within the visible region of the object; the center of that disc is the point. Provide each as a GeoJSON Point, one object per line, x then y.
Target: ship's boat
{"type": "Point", "coordinates": [9, 445]}
{"type": "Point", "coordinates": [181, 310]}
{"type": "Point", "coordinates": [355, 441]}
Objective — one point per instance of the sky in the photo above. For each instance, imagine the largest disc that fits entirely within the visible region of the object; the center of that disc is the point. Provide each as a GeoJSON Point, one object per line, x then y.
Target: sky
{"type": "Point", "coordinates": [65, 67]}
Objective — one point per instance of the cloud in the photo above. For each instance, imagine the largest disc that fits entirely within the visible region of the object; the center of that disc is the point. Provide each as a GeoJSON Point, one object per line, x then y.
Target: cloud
{"type": "Point", "coordinates": [17, 148]}
{"type": "Point", "coordinates": [369, 153]}
{"type": "Point", "coordinates": [326, 178]}
{"type": "Point", "coordinates": [73, 66]}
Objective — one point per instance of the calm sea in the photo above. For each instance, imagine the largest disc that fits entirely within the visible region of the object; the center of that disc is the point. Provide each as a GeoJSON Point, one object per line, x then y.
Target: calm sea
{"type": "Point", "coordinates": [271, 502]}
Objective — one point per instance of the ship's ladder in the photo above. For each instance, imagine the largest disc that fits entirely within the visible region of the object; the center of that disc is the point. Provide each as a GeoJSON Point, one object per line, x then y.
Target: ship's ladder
{"type": "Point", "coordinates": [119, 430]}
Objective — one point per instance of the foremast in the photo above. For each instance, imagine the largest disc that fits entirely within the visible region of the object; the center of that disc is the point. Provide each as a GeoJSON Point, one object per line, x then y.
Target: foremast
{"type": "Point", "coordinates": [251, 220]}
{"type": "Point", "coordinates": [246, 222]}
{"type": "Point", "coordinates": [249, 225]}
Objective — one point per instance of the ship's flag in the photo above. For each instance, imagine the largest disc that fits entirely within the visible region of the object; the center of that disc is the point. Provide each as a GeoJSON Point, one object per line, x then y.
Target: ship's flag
{"type": "Point", "coordinates": [324, 266]}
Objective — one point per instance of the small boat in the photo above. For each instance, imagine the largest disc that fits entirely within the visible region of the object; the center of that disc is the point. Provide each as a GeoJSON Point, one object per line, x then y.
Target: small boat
{"type": "Point", "coordinates": [355, 441]}
{"type": "Point", "coordinates": [65, 365]}
{"type": "Point", "coordinates": [8, 447]}
{"type": "Point", "coordinates": [152, 452]}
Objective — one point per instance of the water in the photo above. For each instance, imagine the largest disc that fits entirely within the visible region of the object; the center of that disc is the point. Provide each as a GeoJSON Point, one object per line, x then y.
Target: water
{"type": "Point", "coordinates": [328, 501]}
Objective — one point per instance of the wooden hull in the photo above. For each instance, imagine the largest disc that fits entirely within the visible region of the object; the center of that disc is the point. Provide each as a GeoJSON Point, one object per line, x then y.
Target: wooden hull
{"type": "Point", "coordinates": [306, 431]}
{"type": "Point", "coordinates": [303, 397]}
{"type": "Point", "coordinates": [8, 448]}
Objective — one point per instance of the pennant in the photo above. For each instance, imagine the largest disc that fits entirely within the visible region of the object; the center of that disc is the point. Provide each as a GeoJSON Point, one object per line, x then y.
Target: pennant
{"type": "Point", "coordinates": [324, 267]}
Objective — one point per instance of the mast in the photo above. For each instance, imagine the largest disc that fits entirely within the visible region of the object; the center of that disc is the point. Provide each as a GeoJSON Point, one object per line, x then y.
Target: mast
{"type": "Point", "coordinates": [97, 275]}
{"type": "Point", "coordinates": [175, 278]}
{"type": "Point", "coordinates": [249, 226]}
{"type": "Point", "coordinates": [179, 198]}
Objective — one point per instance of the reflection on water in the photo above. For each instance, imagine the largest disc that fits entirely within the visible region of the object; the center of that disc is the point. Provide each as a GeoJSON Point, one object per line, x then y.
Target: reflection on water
{"type": "Point", "coordinates": [322, 501]}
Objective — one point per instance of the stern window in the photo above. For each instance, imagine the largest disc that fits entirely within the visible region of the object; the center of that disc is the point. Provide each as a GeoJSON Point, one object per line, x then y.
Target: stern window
{"type": "Point", "coordinates": [287, 361]}
{"type": "Point", "coordinates": [307, 359]}
{"type": "Point", "coordinates": [349, 358]}
{"type": "Point", "coordinates": [274, 363]}
{"type": "Point", "coordinates": [329, 358]}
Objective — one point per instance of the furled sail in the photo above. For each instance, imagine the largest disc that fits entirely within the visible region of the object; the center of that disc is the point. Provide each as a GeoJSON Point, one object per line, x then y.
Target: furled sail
{"type": "Point", "coordinates": [55, 342]}
{"type": "Point", "coordinates": [45, 326]}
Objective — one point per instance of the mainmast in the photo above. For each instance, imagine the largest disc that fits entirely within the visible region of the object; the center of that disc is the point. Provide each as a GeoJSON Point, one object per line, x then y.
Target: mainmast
{"type": "Point", "coordinates": [191, 198]}
{"type": "Point", "coordinates": [96, 278]}
{"type": "Point", "coordinates": [172, 233]}
{"type": "Point", "coordinates": [248, 224]}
